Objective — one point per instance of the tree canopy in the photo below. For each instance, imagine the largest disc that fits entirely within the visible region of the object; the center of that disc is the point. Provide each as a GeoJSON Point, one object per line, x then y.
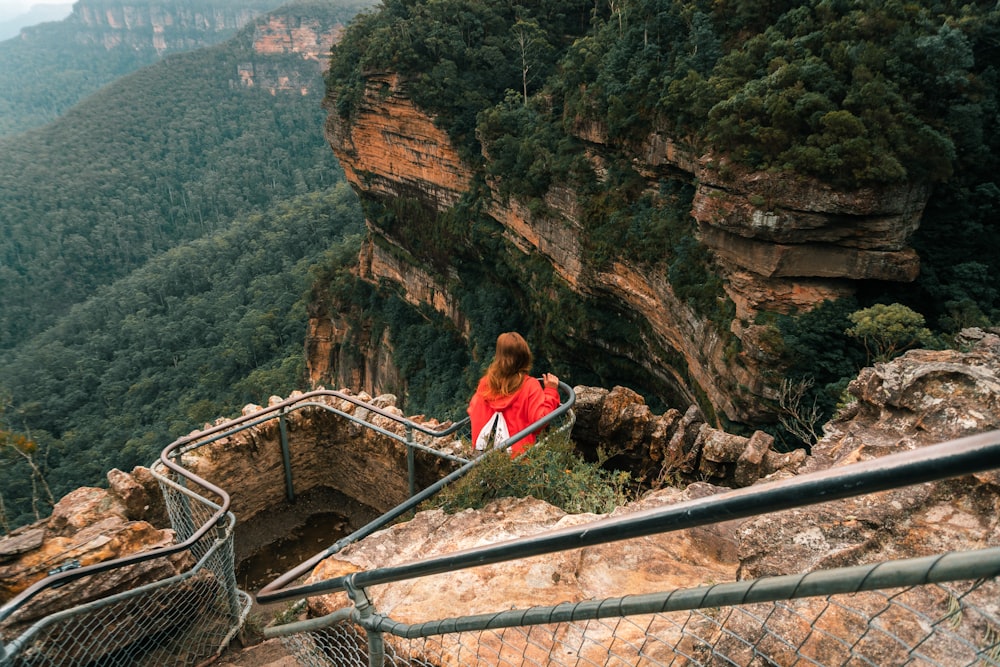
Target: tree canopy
{"type": "Point", "coordinates": [199, 331]}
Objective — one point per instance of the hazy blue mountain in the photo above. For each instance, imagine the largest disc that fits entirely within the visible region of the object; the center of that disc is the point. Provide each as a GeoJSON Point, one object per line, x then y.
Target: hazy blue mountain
{"type": "Point", "coordinates": [11, 26]}
{"type": "Point", "coordinates": [50, 67]}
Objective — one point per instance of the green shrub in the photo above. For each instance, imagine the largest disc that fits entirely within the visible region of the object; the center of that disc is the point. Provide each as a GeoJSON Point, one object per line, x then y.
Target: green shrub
{"type": "Point", "coordinates": [551, 471]}
{"type": "Point", "coordinates": [889, 330]}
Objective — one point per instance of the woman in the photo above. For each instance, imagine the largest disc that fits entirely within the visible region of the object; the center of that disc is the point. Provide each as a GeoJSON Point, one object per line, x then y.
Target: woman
{"type": "Point", "coordinates": [507, 389]}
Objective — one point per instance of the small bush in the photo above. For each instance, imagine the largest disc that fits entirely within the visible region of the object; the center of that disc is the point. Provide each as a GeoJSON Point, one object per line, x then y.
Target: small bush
{"type": "Point", "coordinates": [551, 471]}
{"type": "Point", "coordinates": [888, 330]}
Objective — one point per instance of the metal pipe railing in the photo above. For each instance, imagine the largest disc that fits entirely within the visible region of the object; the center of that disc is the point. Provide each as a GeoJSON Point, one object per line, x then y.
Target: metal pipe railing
{"type": "Point", "coordinates": [276, 591]}
{"type": "Point", "coordinates": [177, 448]}
{"type": "Point", "coordinates": [963, 456]}
{"type": "Point", "coordinates": [953, 566]}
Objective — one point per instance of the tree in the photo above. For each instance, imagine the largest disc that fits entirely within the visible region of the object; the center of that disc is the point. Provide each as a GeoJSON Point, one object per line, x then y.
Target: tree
{"type": "Point", "coordinates": [888, 330]}
{"type": "Point", "coordinates": [24, 448]}
{"type": "Point", "coordinates": [799, 413]}
{"type": "Point", "coordinates": [529, 40]}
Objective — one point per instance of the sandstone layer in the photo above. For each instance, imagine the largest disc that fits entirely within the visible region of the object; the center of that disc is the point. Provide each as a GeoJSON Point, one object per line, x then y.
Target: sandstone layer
{"type": "Point", "coordinates": [780, 243]}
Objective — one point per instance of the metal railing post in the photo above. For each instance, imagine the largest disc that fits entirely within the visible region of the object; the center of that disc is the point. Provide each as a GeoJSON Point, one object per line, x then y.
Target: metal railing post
{"type": "Point", "coordinates": [286, 458]}
{"type": "Point", "coordinates": [366, 618]}
{"type": "Point", "coordinates": [227, 572]}
{"type": "Point", "coordinates": [411, 461]}
{"type": "Point", "coordinates": [181, 518]}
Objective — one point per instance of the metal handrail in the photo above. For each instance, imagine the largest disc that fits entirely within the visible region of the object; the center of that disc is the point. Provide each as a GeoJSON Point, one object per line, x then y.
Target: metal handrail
{"type": "Point", "coordinates": [956, 565]}
{"type": "Point", "coordinates": [65, 577]}
{"type": "Point", "coordinates": [276, 590]}
{"type": "Point", "coordinates": [199, 439]}
{"type": "Point", "coordinates": [952, 566]}
{"type": "Point", "coordinates": [967, 455]}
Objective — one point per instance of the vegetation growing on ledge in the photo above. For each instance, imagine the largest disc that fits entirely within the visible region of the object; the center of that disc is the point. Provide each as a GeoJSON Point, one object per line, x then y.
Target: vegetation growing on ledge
{"type": "Point", "coordinates": [551, 471]}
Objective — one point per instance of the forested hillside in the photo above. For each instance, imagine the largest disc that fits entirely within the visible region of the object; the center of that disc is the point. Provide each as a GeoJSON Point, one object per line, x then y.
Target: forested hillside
{"type": "Point", "coordinates": [160, 157]}
{"type": "Point", "coordinates": [50, 67]}
{"type": "Point", "coordinates": [196, 333]}
{"type": "Point", "coordinates": [155, 257]}
{"type": "Point", "coordinates": [851, 94]}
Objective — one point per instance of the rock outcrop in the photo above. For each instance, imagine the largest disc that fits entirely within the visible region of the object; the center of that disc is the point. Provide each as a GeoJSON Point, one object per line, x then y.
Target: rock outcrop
{"type": "Point", "coordinates": [668, 449]}
{"type": "Point", "coordinates": [780, 244]}
{"type": "Point", "coordinates": [393, 149]}
{"type": "Point", "coordinates": [919, 399]}
{"type": "Point", "coordinates": [283, 33]}
{"type": "Point", "coordinates": [89, 526]}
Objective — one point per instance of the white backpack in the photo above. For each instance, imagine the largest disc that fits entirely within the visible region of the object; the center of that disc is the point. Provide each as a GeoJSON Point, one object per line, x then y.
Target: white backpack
{"type": "Point", "coordinates": [493, 433]}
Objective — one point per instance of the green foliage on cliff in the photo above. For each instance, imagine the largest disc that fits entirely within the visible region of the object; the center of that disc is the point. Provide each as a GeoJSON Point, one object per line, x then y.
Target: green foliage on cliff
{"type": "Point", "coordinates": [888, 330]}
{"type": "Point", "coordinates": [853, 93]}
{"type": "Point", "coordinates": [461, 56]}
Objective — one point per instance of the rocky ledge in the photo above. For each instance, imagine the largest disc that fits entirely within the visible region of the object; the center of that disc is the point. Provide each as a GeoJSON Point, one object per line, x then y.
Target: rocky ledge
{"type": "Point", "coordinates": [921, 398]}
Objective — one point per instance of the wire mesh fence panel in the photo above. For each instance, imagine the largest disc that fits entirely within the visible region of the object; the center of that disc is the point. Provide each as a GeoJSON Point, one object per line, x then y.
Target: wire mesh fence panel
{"type": "Point", "coordinates": [942, 625]}
{"type": "Point", "coordinates": [341, 644]}
{"type": "Point", "coordinates": [180, 608]}
{"type": "Point", "coordinates": [182, 622]}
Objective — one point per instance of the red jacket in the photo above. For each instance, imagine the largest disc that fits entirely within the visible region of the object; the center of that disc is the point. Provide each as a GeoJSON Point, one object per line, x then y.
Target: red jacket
{"type": "Point", "coordinates": [522, 408]}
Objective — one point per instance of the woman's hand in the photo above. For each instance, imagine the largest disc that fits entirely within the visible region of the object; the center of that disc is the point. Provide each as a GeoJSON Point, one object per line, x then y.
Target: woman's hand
{"type": "Point", "coordinates": [550, 381]}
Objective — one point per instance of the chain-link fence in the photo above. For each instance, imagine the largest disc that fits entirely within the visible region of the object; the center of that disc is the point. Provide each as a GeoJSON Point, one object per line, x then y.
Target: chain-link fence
{"type": "Point", "coordinates": [943, 624]}
{"type": "Point", "coordinates": [186, 615]}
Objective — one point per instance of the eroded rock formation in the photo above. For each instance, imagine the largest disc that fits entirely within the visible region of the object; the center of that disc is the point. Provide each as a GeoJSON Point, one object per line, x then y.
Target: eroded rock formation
{"type": "Point", "coordinates": [285, 33]}
{"type": "Point", "coordinates": [780, 243]}
{"type": "Point", "coordinates": [89, 526]}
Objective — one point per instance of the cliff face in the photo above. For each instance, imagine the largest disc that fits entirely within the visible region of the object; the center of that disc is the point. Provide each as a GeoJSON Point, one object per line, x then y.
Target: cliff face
{"type": "Point", "coordinates": [780, 244]}
{"type": "Point", "coordinates": [282, 34]}
{"type": "Point", "coordinates": [393, 149]}
{"type": "Point", "coordinates": [167, 27]}
{"type": "Point", "coordinates": [164, 27]}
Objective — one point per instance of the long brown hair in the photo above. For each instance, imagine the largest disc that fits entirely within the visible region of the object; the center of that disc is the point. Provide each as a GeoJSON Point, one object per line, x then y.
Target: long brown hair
{"type": "Point", "coordinates": [511, 363]}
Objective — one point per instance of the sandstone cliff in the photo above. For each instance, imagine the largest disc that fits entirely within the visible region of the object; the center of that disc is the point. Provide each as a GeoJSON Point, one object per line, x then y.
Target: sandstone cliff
{"type": "Point", "coordinates": [163, 27]}
{"type": "Point", "coordinates": [780, 244]}
{"type": "Point", "coordinates": [287, 33]}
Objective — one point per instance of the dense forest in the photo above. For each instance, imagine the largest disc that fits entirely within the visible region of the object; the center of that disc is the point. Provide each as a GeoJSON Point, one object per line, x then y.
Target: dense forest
{"type": "Point", "coordinates": [50, 67]}
{"type": "Point", "coordinates": [162, 156]}
{"type": "Point", "coordinates": [854, 93]}
{"type": "Point", "coordinates": [194, 334]}
{"type": "Point", "coordinates": [157, 244]}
